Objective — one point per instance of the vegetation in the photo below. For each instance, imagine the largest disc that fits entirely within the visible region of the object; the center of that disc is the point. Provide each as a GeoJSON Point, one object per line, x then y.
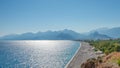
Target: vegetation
{"type": "Point", "coordinates": [112, 50]}
{"type": "Point", "coordinates": [106, 46]}
{"type": "Point", "coordinates": [118, 62]}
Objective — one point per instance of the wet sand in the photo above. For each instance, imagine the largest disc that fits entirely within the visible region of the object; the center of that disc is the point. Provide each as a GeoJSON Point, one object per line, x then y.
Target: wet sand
{"type": "Point", "coordinates": [85, 52]}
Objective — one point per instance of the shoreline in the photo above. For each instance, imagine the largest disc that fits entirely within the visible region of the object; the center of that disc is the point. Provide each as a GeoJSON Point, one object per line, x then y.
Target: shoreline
{"type": "Point", "coordinates": [73, 56]}
{"type": "Point", "coordinates": [84, 52]}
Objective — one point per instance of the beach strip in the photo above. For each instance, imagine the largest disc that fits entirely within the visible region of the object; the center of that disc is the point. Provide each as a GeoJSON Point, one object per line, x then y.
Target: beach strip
{"type": "Point", "coordinates": [84, 52]}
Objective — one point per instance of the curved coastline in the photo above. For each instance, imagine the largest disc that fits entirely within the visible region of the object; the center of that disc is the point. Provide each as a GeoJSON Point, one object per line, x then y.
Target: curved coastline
{"type": "Point", "coordinates": [73, 56]}
{"type": "Point", "coordinates": [83, 53]}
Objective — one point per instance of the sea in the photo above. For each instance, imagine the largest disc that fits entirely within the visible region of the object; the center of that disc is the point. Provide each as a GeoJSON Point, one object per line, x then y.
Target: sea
{"type": "Point", "coordinates": [37, 53]}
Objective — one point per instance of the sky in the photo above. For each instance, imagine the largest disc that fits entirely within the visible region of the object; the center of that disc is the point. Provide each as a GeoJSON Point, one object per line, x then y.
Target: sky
{"type": "Point", "coordinates": [20, 16]}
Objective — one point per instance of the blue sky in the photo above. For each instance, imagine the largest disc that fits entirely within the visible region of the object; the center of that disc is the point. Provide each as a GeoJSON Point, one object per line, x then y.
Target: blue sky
{"type": "Point", "coordinates": [20, 16]}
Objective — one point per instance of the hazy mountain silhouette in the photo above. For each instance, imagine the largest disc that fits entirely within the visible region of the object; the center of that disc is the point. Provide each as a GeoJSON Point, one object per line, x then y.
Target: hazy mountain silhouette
{"type": "Point", "coordinates": [111, 32]}
{"type": "Point", "coordinates": [55, 35]}
{"type": "Point", "coordinates": [96, 35]}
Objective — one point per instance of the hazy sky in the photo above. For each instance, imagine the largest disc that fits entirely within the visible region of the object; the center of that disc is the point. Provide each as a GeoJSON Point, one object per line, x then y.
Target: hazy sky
{"type": "Point", "coordinates": [19, 16]}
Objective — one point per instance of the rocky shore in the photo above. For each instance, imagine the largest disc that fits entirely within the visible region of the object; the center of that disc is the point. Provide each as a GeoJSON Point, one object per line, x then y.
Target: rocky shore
{"type": "Point", "coordinates": [85, 52]}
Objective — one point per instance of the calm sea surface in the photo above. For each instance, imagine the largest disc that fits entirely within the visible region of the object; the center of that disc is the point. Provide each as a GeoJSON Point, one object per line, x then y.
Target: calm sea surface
{"type": "Point", "coordinates": [36, 54]}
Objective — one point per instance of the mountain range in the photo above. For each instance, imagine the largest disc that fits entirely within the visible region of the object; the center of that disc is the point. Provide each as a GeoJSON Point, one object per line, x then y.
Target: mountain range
{"type": "Point", "coordinates": [111, 32]}
{"type": "Point", "coordinates": [102, 34]}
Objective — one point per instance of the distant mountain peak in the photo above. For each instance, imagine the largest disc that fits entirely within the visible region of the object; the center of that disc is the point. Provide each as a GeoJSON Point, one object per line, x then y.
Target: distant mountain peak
{"type": "Point", "coordinates": [95, 33]}
{"type": "Point", "coordinates": [67, 30]}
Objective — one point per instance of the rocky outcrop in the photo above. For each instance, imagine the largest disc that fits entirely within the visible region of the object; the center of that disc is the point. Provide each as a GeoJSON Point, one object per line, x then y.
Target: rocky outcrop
{"type": "Point", "coordinates": [92, 63]}
{"type": "Point", "coordinates": [103, 62]}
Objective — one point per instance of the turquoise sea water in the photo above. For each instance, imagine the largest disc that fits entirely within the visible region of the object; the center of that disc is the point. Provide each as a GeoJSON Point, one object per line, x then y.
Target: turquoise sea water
{"type": "Point", "coordinates": [36, 54]}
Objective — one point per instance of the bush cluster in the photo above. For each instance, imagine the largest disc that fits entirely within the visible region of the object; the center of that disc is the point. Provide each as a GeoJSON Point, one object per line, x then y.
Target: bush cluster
{"type": "Point", "coordinates": [106, 46]}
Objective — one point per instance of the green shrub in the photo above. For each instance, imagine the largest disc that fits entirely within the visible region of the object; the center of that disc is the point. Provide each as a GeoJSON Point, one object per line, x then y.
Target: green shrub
{"type": "Point", "coordinates": [106, 52]}
{"type": "Point", "coordinates": [95, 50]}
{"type": "Point", "coordinates": [118, 62]}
